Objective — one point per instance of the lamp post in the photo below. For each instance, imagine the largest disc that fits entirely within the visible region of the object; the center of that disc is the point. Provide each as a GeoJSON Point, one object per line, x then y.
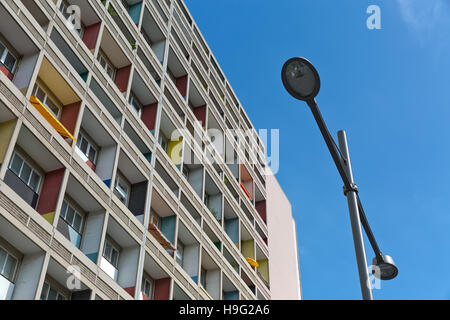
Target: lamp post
{"type": "Point", "coordinates": [302, 81]}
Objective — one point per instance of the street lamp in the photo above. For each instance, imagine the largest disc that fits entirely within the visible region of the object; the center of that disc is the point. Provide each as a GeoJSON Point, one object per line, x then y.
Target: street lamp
{"type": "Point", "coordinates": [302, 81]}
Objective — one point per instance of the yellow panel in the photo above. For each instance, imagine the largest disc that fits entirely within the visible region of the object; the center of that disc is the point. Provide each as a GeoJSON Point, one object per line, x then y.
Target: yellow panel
{"type": "Point", "coordinates": [50, 118]}
{"type": "Point", "coordinates": [248, 249]}
{"type": "Point", "coordinates": [264, 269]}
{"type": "Point", "coordinates": [49, 217]}
{"type": "Point", "coordinates": [174, 151]}
{"type": "Point", "coordinates": [6, 131]}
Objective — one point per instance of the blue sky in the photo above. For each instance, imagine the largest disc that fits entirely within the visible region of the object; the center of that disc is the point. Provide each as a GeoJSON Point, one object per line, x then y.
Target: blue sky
{"type": "Point", "coordinates": [389, 89]}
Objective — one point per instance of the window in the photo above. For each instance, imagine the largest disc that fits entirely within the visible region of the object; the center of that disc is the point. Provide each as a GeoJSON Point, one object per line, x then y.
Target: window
{"type": "Point", "coordinates": [135, 104]}
{"type": "Point", "coordinates": [147, 37]}
{"type": "Point", "coordinates": [111, 253]}
{"type": "Point", "coordinates": [51, 293]}
{"type": "Point", "coordinates": [148, 285]}
{"type": "Point", "coordinates": [46, 101]}
{"type": "Point", "coordinates": [7, 58]}
{"type": "Point", "coordinates": [25, 172]}
{"type": "Point", "coordinates": [164, 142]}
{"type": "Point", "coordinates": [8, 265]}
{"type": "Point", "coordinates": [88, 149]}
{"type": "Point", "coordinates": [203, 277]}
{"type": "Point", "coordinates": [155, 219]}
{"type": "Point", "coordinates": [71, 216]}
{"type": "Point", "coordinates": [106, 65]}
{"type": "Point", "coordinates": [206, 199]}
{"type": "Point", "coordinates": [180, 252]}
{"type": "Point", "coordinates": [186, 172]}
{"type": "Point", "coordinates": [67, 14]}
{"type": "Point", "coordinates": [122, 189]}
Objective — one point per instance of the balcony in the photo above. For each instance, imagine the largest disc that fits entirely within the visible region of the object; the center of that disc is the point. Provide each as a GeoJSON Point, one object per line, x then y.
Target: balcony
{"type": "Point", "coordinates": [155, 282]}
{"type": "Point", "coordinates": [190, 208]}
{"type": "Point", "coordinates": [153, 35]}
{"type": "Point", "coordinates": [21, 263]}
{"type": "Point", "coordinates": [81, 219]}
{"type": "Point", "coordinates": [113, 61]}
{"type": "Point", "coordinates": [59, 284]}
{"type": "Point", "coordinates": [7, 124]}
{"type": "Point", "coordinates": [96, 147]}
{"type": "Point", "coordinates": [130, 186]}
{"type": "Point", "coordinates": [210, 276]}
{"type": "Point", "coordinates": [35, 174]}
{"type": "Point", "coordinates": [142, 146]}
{"type": "Point", "coordinates": [263, 266]}
{"type": "Point", "coordinates": [162, 222]}
{"type": "Point", "coordinates": [229, 290]}
{"type": "Point", "coordinates": [37, 13]}
{"type": "Point", "coordinates": [133, 7]}
{"type": "Point", "coordinates": [193, 171]}
{"type": "Point", "coordinates": [134, 14]}
{"type": "Point", "coordinates": [197, 104]}
{"type": "Point", "coordinates": [18, 53]}
{"type": "Point", "coordinates": [188, 251]}
{"type": "Point", "coordinates": [248, 247]}
{"type": "Point", "coordinates": [170, 139]}
{"type": "Point", "coordinates": [120, 255]}
{"type": "Point", "coordinates": [177, 73]}
{"type": "Point", "coordinates": [247, 185]}
{"type": "Point", "coordinates": [213, 199]}
{"type": "Point", "coordinates": [231, 223]}
{"type": "Point", "coordinates": [260, 204]}
{"type": "Point", "coordinates": [179, 293]}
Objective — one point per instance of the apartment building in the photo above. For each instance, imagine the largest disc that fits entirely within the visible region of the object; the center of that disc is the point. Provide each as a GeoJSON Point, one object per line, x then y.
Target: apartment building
{"type": "Point", "coordinates": [120, 177]}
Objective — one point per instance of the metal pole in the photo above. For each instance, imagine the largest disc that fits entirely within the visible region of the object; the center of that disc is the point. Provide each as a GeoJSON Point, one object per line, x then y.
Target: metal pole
{"type": "Point", "coordinates": [358, 239]}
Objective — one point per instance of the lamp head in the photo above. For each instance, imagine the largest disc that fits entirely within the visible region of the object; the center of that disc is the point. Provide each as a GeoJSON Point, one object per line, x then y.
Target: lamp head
{"type": "Point", "coordinates": [385, 268]}
{"type": "Point", "coordinates": [300, 79]}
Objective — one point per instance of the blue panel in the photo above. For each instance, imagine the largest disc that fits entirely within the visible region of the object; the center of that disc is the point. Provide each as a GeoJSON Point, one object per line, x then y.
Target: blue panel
{"type": "Point", "coordinates": [232, 229]}
{"type": "Point", "coordinates": [195, 278]}
{"type": "Point", "coordinates": [107, 182]}
{"type": "Point", "coordinates": [74, 237]}
{"type": "Point", "coordinates": [148, 156]}
{"type": "Point", "coordinates": [135, 12]}
{"type": "Point", "coordinates": [84, 76]}
{"type": "Point", "coordinates": [93, 256]}
{"type": "Point", "coordinates": [168, 228]}
{"type": "Point", "coordinates": [232, 295]}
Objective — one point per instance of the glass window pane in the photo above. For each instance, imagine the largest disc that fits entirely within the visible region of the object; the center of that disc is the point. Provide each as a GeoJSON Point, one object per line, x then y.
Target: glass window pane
{"type": "Point", "coordinates": [10, 61]}
{"type": "Point", "coordinates": [52, 107]}
{"type": "Point", "coordinates": [34, 181]}
{"type": "Point", "coordinates": [84, 146]}
{"type": "Point", "coordinates": [52, 294]}
{"type": "Point", "coordinates": [92, 154]}
{"type": "Point", "coordinates": [2, 259]}
{"type": "Point", "coordinates": [16, 164]}
{"type": "Point", "coordinates": [10, 267]}
{"type": "Point", "coordinates": [40, 94]}
{"type": "Point", "coordinates": [77, 223]}
{"type": "Point", "coordinates": [2, 49]}
{"type": "Point", "coordinates": [107, 251]}
{"type": "Point", "coordinates": [70, 214]}
{"type": "Point", "coordinates": [114, 257]}
{"type": "Point", "coordinates": [25, 173]}
{"type": "Point", "coordinates": [44, 291]}
{"type": "Point", "coordinates": [63, 209]}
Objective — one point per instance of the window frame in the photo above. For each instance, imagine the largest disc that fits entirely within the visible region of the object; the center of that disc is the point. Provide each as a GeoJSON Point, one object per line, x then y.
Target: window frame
{"type": "Point", "coordinates": [46, 98]}
{"type": "Point", "coordinates": [121, 178]}
{"type": "Point", "coordinates": [113, 247]}
{"type": "Point", "coordinates": [58, 292]}
{"type": "Point", "coordinates": [76, 212]}
{"type": "Point", "coordinates": [108, 63]}
{"type": "Point", "coordinates": [4, 56]}
{"type": "Point", "coordinates": [154, 215]}
{"type": "Point", "coordinates": [91, 145]}
{"type": "Point", "coordinates": [151, 282]}
{"type": "Point", "coordinates": [133, 99]}
{"type": "Point", "coordinates": [9, 254]}
{"type": "Point", "coordinates": [33, 170]}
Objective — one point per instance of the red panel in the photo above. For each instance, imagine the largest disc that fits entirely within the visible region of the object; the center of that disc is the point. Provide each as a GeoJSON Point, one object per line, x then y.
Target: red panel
{"type": "Point", "coordinates": [148, 115]}
{"type": "Point", "coordinates": [90, 35]}
{"type": "Point", "coordinates": [69, 116]}
{"type": "Point", "coordinates": [6, 72]}
{"type": "Point", "coordinates": [261, 208]}
{"type": "Point", "coordinates": [130, 291]}
{"type": "Point", "coordinates": [181, 85]}
{"type": "Point", "coordinates": [50, 191]}
{"type": "Point", "coordinates": [122, 76]}
{"type": "Point", "coordinates": [91, 165]}
{"type": "Point", "coordinates": [200, 114]}
{"type": "Point", "coordinates": [162, 289]}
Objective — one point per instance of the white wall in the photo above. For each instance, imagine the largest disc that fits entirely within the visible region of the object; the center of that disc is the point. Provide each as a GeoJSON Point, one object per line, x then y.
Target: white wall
{"type": "Point", "coordinates": [284, 270]}
{"type": "Point", "coordinates": [25, 71]}
{"type": "Point", "coordinates": [93, 232]}
{"type": "Point", "coordinates": [28, 277]}
{"type": "Point", "coordinates": [128, 265]}
{"type": "Point", "coordinates": [105, 162]}
{"type": "Point", "coordinates": [190, 259]}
